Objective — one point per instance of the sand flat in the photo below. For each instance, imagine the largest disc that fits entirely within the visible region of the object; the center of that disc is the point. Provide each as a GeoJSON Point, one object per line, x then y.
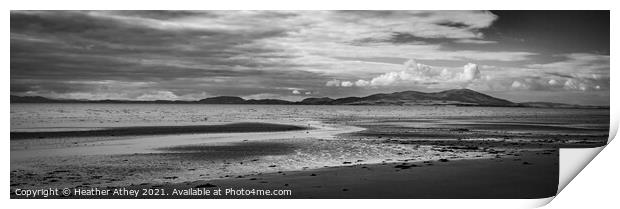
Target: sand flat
{"type": "Point", "coordinates": [338, 143]}
{"type": "Point", "coordinates": [152, 144]}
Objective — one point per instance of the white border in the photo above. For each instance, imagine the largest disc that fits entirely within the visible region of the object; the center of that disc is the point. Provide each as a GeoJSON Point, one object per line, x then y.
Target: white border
{"type": "Point", "coordinates": [571, 195]}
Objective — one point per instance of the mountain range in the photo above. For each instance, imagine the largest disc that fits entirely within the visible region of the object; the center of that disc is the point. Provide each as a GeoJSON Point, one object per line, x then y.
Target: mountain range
{"type": "Point", "coordinates": [458, 97]}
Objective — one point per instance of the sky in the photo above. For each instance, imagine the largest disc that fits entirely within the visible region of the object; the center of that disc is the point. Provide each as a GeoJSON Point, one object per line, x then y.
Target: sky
{"type": "Point", "coordinates": [522, 56]}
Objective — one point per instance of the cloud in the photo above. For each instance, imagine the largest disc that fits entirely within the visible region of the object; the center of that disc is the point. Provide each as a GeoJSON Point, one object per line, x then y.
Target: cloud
{"type": "Point", "coordinates": [470, 72]}
{"type": "Point", "coordinates": [532, 84]}
{"type": "Point", "coordinates": [334, 82]}
{"type": "Point", "coordinates": [339, 83]}
{"type": "Point", "coordinates": [346, 84]}
{"type": "Point", "coordinates": [427, 24]}
{"type": "Point", "coordinates": [519, 85]}
{"type": "Point", "coordinates": [581, 85]}
{"type": "Point", "coordinates": [577, 71]}
{"type": "Point", "coordinates": [296, 91]}
{"type": "Point", "coordinates": [418, 75]}
{"type": "Point", "coordinates": [577, 65]}
{"type": "Point", "coordinates": [158, 95]}
{"type": "Point", "coordinates": [362, 83]}
{"type": "Point", "coordinates": [572, 84]}
{"type": "Point", "coordinates": [415, 74]}
{"type": "Point", "coordinates": [553, 82]}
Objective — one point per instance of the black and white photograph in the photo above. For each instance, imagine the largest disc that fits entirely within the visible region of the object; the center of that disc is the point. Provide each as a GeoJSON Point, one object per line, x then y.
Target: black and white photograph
{"type": "Point", "coordinates": [303, 104]}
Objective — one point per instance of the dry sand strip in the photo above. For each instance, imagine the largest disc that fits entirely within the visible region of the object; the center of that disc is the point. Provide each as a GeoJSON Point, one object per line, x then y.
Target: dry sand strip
{"type": "Point", "coordinates": [530, 175]}
{"type": "Point", "coordinates": [161, 130]}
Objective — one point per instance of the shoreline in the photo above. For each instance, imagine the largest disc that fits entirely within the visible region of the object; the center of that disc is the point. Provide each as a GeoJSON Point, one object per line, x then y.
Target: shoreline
{"type": "Point", "coordinates": [245, 127]}
{"type": "Point", "coordinates": [131, 145]}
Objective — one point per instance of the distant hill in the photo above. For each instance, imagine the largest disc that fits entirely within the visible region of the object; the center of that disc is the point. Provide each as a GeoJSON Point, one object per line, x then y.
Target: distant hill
{"type": "Point", "coordinates": [316, 101]}
{"type": "Point", "coordinates": [222, 100]}
{"type": "Point", "coordinates": [449, 97]}
{"type": "Point", "coordinates": [239, 100]}
{"type": "Point", "coordinates": [458, 97]}
{"type": "Point", "coordinates": [34, 99]}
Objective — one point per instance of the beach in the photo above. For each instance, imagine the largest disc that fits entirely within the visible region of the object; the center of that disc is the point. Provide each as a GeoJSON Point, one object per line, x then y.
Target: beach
{"type": "Point", "coordinates": [531, 174]}
{"type": "Point", "coordinates": [327, 152]}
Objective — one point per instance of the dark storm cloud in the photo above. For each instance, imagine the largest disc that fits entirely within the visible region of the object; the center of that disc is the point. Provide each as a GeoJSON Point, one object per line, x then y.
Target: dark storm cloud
{"type": "Point", "coordinates": [54, 47]}
{"type": "Point", "coordinates": [79, 32]}
{"type": "Point", "coordinates": [552, 31]}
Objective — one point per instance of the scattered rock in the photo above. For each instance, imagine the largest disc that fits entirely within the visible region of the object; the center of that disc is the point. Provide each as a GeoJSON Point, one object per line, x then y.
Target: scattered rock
{"type": "Point", "coordinates": [443, 160]}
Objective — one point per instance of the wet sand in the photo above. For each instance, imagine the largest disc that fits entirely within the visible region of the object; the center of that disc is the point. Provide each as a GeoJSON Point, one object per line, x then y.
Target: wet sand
{"type": "Point", "coordinates": [129, 145]}
{"type": "Point", "coordinates": [529, 174]}
{"type": "Point", "coordinates": [160, 130]}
